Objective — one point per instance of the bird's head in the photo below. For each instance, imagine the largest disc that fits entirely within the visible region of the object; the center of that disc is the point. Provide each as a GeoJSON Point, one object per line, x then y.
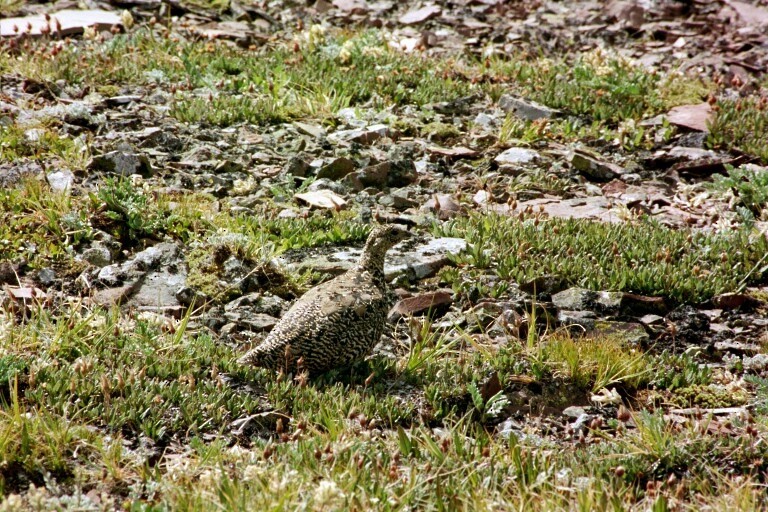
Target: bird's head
{"type": "Point", "coordinates": [383, 237]}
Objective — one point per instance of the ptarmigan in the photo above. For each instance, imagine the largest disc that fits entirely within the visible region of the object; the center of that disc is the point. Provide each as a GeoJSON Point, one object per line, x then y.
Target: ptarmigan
{"type": "Point", "coordinates": [335, 323]}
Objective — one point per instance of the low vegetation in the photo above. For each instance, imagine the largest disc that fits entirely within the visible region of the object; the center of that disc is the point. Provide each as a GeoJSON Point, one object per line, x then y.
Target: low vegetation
{"type": "Point", "coordinates": [112, 409]}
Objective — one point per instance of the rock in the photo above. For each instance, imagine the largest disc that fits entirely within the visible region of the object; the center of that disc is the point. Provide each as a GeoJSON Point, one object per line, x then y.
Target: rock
{"type": "Point", "coordinates": [525, 109]}
{"type": "Point", "coordinates": [313, 130]}
{"type": "Point", "coordinates": [402, 172]}
{"type": "Point", "coordinates": [322, 199]}
{"type": "Point", "coordinates": [632, 333]}
{"type": "Point", "coordinates": [400, 199]}
{"type": "Point", "coordinates": [263, 303]}
{"type": "Point", "coordinates": [633, 305]}
{"type": "Point", "coordinates": [337, 169]}
{"type": "Point", "coordinates": [256, 322]}
{"type": "Point", "coordinates": [691, 326]}
{"type": "Point", "coordinates": [574, 411]}
{"type": "Point", "coordinates": [517, 156]}
{"type": "Point", "coordinates": [97, 255]}
{"type": "Point", "coordinates": [60, 181]}
{"type": "Point", "coordinates": [737, 347]}
{"type": "Point", "coordinates": [151, 280]}
{"type": "Point", "coordinates": [594, 168]}
{"type": "Point", "coordinates": [420, 15]}
{"type": "Point", "coordinates": [327, 184]}
{"type": "Point", "coordinates": [417, 261]}
{"type": "Point", "coordinates": [443, 205]}
{"type": "Point", "coordinates": [425, 260]}
{"type": "Point", "coordinates": [79, 113]}
{"type": "Point", "coordinates": [734, 300]}
{"type": "Point", "coordinates": [366, 137]}
{"type": "Point", "coordinates": [371, 176]}
{"type": "Point", "coordinates": [46, 276]}
{"type": "Point", "coordinates": [433, 303]}
{"type": "Point", "coordinates": [63, 22]}
{"type": "Point", "coordinates": [546, 284]}
{"type": "Point", "coordinates": [580, 299]}
{"type": "Point", "coordinates": [296, 166]}
{"type": "Point", "coordinates": [652, 320]}
{"type": "Point", "coordinates": [122, 163]}
{"type": "Point", "coordinates": [585, 319]}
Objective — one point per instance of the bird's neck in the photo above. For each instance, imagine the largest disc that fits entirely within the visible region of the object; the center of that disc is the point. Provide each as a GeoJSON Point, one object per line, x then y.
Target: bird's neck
{"type": "Point", "coordinates": [372, 262]}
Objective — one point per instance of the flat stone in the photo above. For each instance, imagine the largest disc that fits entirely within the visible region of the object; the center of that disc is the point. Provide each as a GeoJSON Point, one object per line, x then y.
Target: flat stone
{"type": "Point", "coordinates": [366, 137]}
{"type": "Point", "coordinates": [313, 130]}
{"type": "Point", "coordinates": [525, 109]}
{"type": "Point", "coordinates": [517, 156]}
{"type": "Point", "coordinates": [420, 15]}
{"type": "Point", "coordinates": [322, 199]}
{"type": "Point", "coordinates": [651, 319]}
{"type": "Point", "coordinates": [574, 411]}
{"type": "Point", "coordinates": [70, 21]}
{"type": "Point", "coordinates": [737, 347]}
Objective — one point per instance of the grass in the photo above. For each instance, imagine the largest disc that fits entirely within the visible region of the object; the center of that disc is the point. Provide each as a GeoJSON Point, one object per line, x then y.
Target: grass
{"type": "Point", "coordinates": [640, 257]}
{"type": "Point", "coordinates": [107, 403]}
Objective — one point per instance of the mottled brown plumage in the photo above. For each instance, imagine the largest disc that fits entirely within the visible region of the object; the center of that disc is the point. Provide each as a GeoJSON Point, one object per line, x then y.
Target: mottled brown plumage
{"type": "Point", "coordinates": [335, 323]}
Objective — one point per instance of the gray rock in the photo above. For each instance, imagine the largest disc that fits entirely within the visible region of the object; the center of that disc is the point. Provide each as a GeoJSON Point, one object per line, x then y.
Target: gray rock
{"type": "Point", "coordinates": [122, 163]}
{"type": "Point", "coordinates": [517, 156]}
{"type": "Point", "coordinates": [313, 130]}
{"type": "Point", "coordinates": [111, 275]}
{"type": "Point", "coordinates": [60, 181]}
{"type": "Point", "coordinates": [574, 299]}
{"type": "Point", "coordinates": [574, 411]}
{"type": "Point", "coordinates": [46, 276]}
{"type": "Point", "coordinates": [651, 319]}
{"type": "Point", "coordinates": [585, 319]}
{"type": "Point", "coordinates": [371, 176]}
{"type": "Point", "coordinates": [258, 303]}
{"type": "Point", "coordinates": [97, 255]}
{"type": "Point", "coordinates": [525, 109]}
{"type": "Point", "coordinates": [580, 299]}
{"type": "Point", "coordinates": [327, 184]}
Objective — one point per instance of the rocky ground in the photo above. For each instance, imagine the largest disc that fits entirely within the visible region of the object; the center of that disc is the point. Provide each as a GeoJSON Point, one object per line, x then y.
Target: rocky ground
{"type": "Point", "coordinates": [582, 312]}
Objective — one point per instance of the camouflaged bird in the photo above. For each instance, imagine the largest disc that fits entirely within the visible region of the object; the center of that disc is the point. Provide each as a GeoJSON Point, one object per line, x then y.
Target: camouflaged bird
{"type": "Point", "coordinates": [335, 323]}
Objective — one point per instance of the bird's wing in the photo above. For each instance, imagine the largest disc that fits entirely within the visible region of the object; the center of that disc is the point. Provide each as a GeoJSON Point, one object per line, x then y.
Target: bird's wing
{"type": "Point", "coordinates": [326, 303]}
